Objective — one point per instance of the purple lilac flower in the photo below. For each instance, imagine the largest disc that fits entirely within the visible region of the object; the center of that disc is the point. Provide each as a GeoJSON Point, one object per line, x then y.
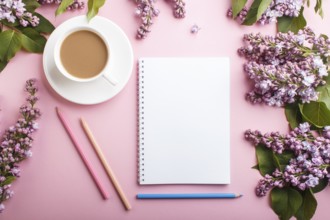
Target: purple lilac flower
{"type": "Point", "coordinates": [146, 11]}
{"type": "Point", "coordinates": [276, 9]}
{"type": "Point", "coordinates": [285, 68]}
{"type": "Point", "coordinates": [16, 142]}
{"type": "Point", "coordinates": [179, 10]}
{"type": "Point", "coordinates": [241, 15]}
{"type": "Point", "coordinates": [326, 132]}
{"type": "Point", "coordinates": [280, 8]}
{"type": "Point", "coordinates": [77, 4]}
{"type": "Point", "coordinates": [195, 29]}
{"type": "Point", "coordinates": [309, 164]}
{"type": "Point", "coordinates": [29, 19]}
{"type": "Point", "coordinates": [264, 185]}
{"type": "Point", "coordinates": [12, 10]}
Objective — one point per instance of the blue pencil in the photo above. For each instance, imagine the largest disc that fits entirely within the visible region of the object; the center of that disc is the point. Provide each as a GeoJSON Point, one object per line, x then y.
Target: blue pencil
{"type": "Point", "coordinates": [189, 196]}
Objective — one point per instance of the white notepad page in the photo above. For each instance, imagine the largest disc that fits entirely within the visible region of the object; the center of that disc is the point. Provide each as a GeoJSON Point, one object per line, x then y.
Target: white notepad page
{"type": "Point", "coordinates": [184, 121]}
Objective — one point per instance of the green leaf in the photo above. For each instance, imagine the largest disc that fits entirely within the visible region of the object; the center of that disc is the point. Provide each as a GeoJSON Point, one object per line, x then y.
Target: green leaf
{"type": "Point", "coordinates": [10, 44]}
{"type": "Point", "coordinates": [3, 65]}
{"type": "Point", "coordinates": [9, 180]}
{"type": "Point", "coordinates": [294, 24]}
{"type": "Point", "coordinates": [308, 207]}
{"type": "Point", "coordinates": [316, 113]}
{"type": "Point", "coordinates": [321, 13]}
{"type": "Point", "coordinates": [284, 158]}
{"type": "Point", "coordinates": [44, 25]}
{"type": "Point", "coordinates": [293, 115]}
{"type": "Point", "coordinates": [31, 5]}
{"type": "Point", "coordinates": [256, 167]}
{"type": "Point", "coordinates": [93, 8]}
{"type": "Point", "coordinates": [323, 183]}
{"type": "Point", "coordinates": [237, 6]}
{"type": "Point", "coordinates": [10, 24]}
{"type": "Point", "coordinates": [265, 157]}
{"type": "Point", "coordinates": [285, 202]}
{"type": "Point", "coordinates": [262, 7]}
{"type": "Point", "coordinates": [32, 41]}
{"type": "Point", "coordinates": [324, 92]}
{"type": "Point", "coordinates": [251, 16]}
{"type": "Point", "coordinates": [318, 8]}
{"type": "Point", "coordinates": [257, 8]}
{"type": "Point", "coordinates": [63, 6]}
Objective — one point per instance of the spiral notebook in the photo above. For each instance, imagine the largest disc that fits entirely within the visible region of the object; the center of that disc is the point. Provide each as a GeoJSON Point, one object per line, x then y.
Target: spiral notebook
{"type": "Point", "coordinates": [184, 121]}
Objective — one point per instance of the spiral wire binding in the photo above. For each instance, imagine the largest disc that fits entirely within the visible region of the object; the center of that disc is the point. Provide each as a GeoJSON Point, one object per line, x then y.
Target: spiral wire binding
{"type": "Point", "coordinates": [141, 167]}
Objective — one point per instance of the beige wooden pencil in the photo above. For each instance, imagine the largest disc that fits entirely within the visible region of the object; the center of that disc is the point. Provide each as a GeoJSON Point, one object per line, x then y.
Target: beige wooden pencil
{"type": "Point", "coordinates": [105, 164]}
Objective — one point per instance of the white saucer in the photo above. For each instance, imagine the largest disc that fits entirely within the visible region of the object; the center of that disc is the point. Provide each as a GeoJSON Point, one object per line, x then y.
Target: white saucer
{"type": "Point", "coordinates": [98, 90]}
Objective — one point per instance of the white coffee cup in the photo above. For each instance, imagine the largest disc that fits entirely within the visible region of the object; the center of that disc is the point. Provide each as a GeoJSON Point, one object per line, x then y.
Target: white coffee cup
{"type": "Point", "coordinates": [106, 71]}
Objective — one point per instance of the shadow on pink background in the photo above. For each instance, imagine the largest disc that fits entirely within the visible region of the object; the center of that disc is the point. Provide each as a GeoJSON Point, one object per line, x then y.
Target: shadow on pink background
{"type": "Point", "coordinates": [54, 183]}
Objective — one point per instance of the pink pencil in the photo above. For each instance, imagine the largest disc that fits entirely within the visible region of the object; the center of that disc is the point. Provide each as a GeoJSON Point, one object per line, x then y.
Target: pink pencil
{"type": "Point", "coordinates": [82, 155]}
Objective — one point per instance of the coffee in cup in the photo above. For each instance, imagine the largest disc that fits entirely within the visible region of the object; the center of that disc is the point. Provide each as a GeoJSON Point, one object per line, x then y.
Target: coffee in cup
{"type": "Point", "coordinates": [83, 54]}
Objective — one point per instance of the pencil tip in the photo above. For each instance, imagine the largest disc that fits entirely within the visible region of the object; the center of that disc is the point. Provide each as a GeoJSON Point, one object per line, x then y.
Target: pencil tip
{"type": "Point", "coordinates": [128, 208]}
{"type": "Point", "coordinates": [58, 111]}
{"type": "Point", "coordinates": [239, 195]}
{"type": "Point", "coordinates": [82, 122]}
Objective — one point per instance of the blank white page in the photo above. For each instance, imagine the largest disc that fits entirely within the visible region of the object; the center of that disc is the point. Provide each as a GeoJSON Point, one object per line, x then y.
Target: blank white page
{"type": "Point", "coordinates": [184, 121]}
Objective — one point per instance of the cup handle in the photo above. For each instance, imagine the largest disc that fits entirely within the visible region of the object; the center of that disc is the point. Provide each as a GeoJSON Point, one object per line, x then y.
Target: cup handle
{"type": "Point", "coordinates": [113, 81]}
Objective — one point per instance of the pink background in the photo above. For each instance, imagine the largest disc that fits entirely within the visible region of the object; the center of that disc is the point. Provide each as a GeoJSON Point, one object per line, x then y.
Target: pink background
{"type": "Point", "coordinates": [55, 184]}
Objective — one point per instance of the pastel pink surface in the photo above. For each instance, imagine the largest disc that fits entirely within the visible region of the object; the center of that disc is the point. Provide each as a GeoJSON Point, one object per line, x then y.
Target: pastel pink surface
{"type": "Point", "coordinates": [55, 184]}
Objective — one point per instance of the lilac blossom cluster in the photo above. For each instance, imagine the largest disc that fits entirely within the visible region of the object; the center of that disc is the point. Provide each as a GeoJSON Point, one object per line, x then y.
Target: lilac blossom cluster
{"type": "Point", "coordinates": [179, 10]}
{"type": "Point", "coordinates": [240, 16]}
{"type": "Point", "coordinates": [276, 9]}
{"type": "Point", "coordinates": [310, 161]}
{"type": "Point", "coordinates": [285, 68]}
{"type": "Point", "coordinates": [16, 143]}
{"type": "Point", "coordinates": [146, 11]}
{"type": "Point", "coordinates": [280, 8]}
{"type": "Point", "coordinates": [12, 10]}
{"type": "Point", "coordinates": [75, 5]}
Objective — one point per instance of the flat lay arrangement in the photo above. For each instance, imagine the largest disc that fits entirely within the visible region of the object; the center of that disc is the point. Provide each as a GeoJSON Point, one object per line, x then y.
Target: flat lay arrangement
{"type": "Point", "coordinates": [150, 114]}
